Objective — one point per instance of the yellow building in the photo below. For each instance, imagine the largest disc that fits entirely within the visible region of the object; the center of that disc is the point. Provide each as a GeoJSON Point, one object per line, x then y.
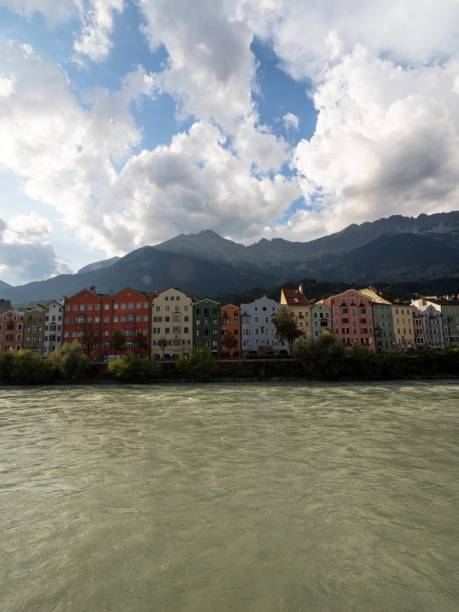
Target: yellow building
{"type": "Point", "coordinates": [403, 323]}
{"type": "Point", "coordinates": [298, 305]}
{"type": "Point", "coordinates": [172, 325]}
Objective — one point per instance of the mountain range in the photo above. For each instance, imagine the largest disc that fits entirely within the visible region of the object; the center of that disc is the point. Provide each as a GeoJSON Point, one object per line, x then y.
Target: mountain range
{"type": "Point", "coordinates": [394, 249]}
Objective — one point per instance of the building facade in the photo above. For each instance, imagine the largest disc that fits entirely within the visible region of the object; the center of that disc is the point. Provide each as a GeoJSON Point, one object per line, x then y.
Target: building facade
{"type": "Point", "coordinates": [172, 325]}
{"type": "Point", "coordinates": [230, 331]}
{"type": "Point", "coordinates": [352, 319]}
{"type": "Point", "coordinates": [403, 322]}
{"type": "Point", "coordinates": [109, 325]}
{"type": "Point", "coordinates": [450, 314]}
{"type": "Point", "coordinates": [206, 325]}
{"type": "Point", "coordinates": [420, 340]}
{"type": "Point", "coordinates": [54, 323]}
{"type": "Point", "coordinates": [382, 320]}
{"type": "Point", "coordinates": [11, 330]}
{"type": "Point", "coordinates": [34, 326]}
{"type": "Point", "coordinates": [321, 321]}
{"type": "Point", "coordinates": [428, 316]}
{"type": "Point", "coordinates": [298, 305]}
{"type": "Point", "coordinates": [258, 332]}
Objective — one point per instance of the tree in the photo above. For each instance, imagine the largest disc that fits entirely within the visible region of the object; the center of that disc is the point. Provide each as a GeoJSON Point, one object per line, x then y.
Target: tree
{"type": "Point", "coordinates": [25, 368]}
{"type": "Point", "coordinates": [199, 364]}
{"type": "Point", "coordinates": [323, 358]}
{"type": "Point", "coordinates": [71, 362]}
{"type": "Point", "coordinates": [132, 368]}
{"type": "Point", "coordinates": [141, 344]}
{"type": "Point", "coordinates": [163, 343]}
{"type": "Point", "coordinates": [118, 342]}
{"type": "Point", "coordinates": [286, 327]}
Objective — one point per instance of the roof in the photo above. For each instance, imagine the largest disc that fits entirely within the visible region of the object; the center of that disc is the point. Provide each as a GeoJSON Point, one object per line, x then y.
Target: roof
{"type": "Point", "coordinates": [294, 297]}
{"type": "Point", "coordinates": [374, 295]}
{"type": "Point", "coordinates": [446, 302]}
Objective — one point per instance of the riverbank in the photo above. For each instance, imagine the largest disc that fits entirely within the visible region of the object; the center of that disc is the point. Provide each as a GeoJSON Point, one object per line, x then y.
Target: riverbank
{"type": "Point", "coordinates": [74, 368]}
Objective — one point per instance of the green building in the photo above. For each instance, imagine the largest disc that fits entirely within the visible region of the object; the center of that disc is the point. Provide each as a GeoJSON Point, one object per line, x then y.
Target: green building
{"type": "Point", "coordinates": [34, 322]}
{"type": "Point", "coordinates": [383, 321]}
{"type": "Point", "coordinates": [206, 325]}
{"type": "Point", "coordinates": [383, 325]}
{"type": "Point", "coordinates": [321, 320]}
{"type": "Point", "coordinates": [450, 315]}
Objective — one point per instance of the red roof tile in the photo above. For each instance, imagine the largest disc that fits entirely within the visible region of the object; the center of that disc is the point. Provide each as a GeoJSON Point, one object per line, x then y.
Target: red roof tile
{"type": "Point", "coordinates": [294, 297]}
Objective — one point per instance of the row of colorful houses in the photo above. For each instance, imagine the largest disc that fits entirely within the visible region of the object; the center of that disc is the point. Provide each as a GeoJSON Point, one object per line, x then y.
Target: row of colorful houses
{"type": "Point", "coordinates": [167, 324]}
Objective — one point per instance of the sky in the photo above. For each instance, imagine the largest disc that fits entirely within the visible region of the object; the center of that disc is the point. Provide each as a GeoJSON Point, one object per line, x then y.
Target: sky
{"type": "Point", "coordinates": [126, 122]}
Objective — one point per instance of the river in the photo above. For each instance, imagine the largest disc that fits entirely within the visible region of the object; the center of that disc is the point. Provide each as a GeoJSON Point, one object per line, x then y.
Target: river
{"type": "Point", "coordinates": [230, 498]}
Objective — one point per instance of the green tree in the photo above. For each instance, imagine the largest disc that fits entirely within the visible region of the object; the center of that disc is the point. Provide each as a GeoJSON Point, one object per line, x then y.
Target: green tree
{"type": "Point", "coordinates": [71, 362]}
{"type": "Point", "coordinates": [286, 327]}
{"type": "Point", "coordinates": [6, 367]}
{"type": "Point", "coordinates": [322, 358]}
{"type": "Point", "coordinates": [199, 364]}
{"type": "Point", "coordinates": [118, 342]}
{"type": "Point", "coordinates": [132, 368]}
{"type": "Point", "coordinates": [25, 368]}
{"type": "Point", "coordinates": [141, 344]}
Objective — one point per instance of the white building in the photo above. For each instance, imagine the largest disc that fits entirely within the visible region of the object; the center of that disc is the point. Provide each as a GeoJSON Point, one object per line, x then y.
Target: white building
{"type": "Point", "coordinates": [428, 316]}
{"type": "Point", "coordinates": [258, 332]}
{"type": "Point", "coordinates": [53, 333]}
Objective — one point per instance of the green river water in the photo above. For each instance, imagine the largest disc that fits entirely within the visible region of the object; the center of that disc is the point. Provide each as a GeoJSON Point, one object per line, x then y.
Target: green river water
{"type": "Point", "coordinates": [230, 498]}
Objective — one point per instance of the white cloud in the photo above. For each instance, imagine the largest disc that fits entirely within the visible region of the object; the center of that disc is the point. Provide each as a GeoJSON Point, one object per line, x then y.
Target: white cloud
{"type": "Point", "coordinates": [384, 78]}
{"type": "Point", "coordinates": [386, 142]}
{"type": "Point", "coordinates": [97, 19]}
{"type": "Point", "coordinates": [28, 228]}
{"type": "Point", "coordinates": [307, 35]}
{"type": "Point", "coordinates": [66, 156]}
{"type": "Point", "coordinates": [6, 87]}
{"type": "Point", "coordinates": [25, 252]}
{"type": "Point", "coordinates": [194, 183]}
{"type": "Point", "coordinates": [291, 121]}
{"type": "Point", "coordinates": [55, 12]}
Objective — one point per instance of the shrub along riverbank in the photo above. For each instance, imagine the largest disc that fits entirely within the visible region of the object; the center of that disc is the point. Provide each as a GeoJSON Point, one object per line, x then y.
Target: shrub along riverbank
{"type": "Point", "coordinates": [325, 359]}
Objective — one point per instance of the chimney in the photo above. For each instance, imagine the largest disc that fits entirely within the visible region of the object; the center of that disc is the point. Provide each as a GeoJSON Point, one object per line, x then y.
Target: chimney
{"type": "Point", "coordinates": [92, 289]}
{"type": "Point", "coordinates": [300, 288]}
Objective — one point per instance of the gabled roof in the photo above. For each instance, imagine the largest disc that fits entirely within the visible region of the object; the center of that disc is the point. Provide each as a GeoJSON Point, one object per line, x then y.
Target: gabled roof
{"type": "Point", "coordinates": [374, 296]}
{"type": "Point", "coordinates": [294, 297]}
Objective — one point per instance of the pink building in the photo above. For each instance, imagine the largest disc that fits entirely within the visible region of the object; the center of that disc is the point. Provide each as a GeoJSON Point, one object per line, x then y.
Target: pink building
{"type": "Point", "coordinates": [352, 319]}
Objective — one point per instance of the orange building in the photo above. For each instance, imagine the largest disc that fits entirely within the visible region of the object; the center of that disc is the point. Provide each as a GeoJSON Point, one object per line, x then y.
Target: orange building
{"type": "Point", "coordinates": [352, 318]}
{"type": "Point", "coordinates": [11, 331]}
{"type": "Point", "coordinates": [230, 326]}
{"type": "Point", "coordinates": [109, 324]}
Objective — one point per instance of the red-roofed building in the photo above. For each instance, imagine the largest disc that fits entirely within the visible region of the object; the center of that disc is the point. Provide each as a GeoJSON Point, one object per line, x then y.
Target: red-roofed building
{"type": "Point", "coordinates": [352, 318]}
{"type": "Point", "coordinates": [298, 305]}
{"type": "Point", "coordinates": [109, 324]}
